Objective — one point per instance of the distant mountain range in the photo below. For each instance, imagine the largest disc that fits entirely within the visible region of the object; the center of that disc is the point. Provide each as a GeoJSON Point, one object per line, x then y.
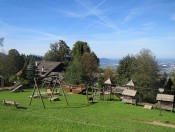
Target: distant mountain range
{"type": "Point", "coordinates": [105, 62]}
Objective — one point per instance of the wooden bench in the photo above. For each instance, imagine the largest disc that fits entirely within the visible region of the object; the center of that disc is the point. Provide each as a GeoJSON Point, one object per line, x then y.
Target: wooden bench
{"type": "Point", "coordinates": [11, 103]}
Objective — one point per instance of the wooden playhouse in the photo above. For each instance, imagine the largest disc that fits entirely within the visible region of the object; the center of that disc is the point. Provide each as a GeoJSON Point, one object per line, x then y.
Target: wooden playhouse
{"type": "Point", "coordinates": [129, 96]}
{"type": "Point", "coordinates": [166, 101]}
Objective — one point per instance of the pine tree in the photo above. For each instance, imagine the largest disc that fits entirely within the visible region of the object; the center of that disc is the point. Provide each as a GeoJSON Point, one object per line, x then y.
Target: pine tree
{"type": "Point", "coordinates": [31, 71]}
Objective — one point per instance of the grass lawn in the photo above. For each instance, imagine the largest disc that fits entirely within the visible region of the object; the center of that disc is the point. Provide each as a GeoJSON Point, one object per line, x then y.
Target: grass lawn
{"type": "Point", "coordinates": [78, 115]}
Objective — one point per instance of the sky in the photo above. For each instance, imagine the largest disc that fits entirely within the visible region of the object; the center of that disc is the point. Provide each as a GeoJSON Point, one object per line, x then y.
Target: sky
{"type": "Point", "coordinates": [112, 28]}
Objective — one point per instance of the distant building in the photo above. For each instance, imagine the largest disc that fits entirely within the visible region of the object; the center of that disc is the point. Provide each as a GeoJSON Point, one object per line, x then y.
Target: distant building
{"type": "Point", "coordinates": [46, 68]}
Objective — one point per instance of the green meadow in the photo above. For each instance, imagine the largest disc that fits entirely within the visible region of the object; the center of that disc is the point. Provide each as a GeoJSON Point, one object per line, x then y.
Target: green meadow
{"type": "Point", "coordinates": [79, 115]}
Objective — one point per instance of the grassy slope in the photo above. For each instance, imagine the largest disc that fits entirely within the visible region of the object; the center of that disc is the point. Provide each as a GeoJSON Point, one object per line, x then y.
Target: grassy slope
{"type": "Point", "coordinates": [78, 116]}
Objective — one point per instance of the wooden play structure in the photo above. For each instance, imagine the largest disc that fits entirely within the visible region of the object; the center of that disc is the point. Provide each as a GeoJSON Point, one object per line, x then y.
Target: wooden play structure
{"type": "Point", "coordinates": [17, 87]}
{"type": "Point", "coordinates": [94, 94]}
{"type": "Point", "coordinates": [107, 88]}
{"type": "Point", "coordinates": [165, 101]}
{"type": "Point", "coordinates": [90, 97]}
{"type": "Point", "coordinates": [53, 91]}
{"type": "Point", "coordinates": [50, 91]}
{"type": "Point", "coordinates": [130, 85]}
{"type": "Point", "coordinates": [106, 91]}
{"type": "Point", "coordinates": [117, 91]}
{"type": "Point", "coordinates": [49, 73]}
{"type": "Point", "coordinates": [129, 96]}
{"type": "Point", "coordinates": [38, 91]}
{"type": "Point", "coordinates": [98, 93]}
{"type": "Point", "coordinates": [75, 89]}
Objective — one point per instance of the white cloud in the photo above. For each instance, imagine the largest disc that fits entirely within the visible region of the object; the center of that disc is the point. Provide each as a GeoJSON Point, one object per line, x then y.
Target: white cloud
{"type": "Point", "coordinates": [98, 13]}
{"type": "Point", "coordinates": [27, 40]}
{"type": "Point", "coordinates": [99, 4]}
{"type": "Point", "coordinates": [132, 15]}
{"type": "Point", "coordinates": [11, 30]}
{"type": "Point", "coordinates": [70, 13]}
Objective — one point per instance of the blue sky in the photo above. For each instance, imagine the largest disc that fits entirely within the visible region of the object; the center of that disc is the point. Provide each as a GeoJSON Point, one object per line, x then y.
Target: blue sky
{"type": "Point", "coordinates": [112, 28]}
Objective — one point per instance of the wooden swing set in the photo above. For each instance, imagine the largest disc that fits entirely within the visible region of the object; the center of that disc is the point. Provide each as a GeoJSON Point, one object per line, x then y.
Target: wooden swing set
{"type": "Point", "coordinates": [56, 81]}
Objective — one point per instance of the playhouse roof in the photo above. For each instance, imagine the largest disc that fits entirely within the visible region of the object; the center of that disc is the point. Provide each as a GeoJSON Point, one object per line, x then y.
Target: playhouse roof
{"type": "Point", "coordinates": [128, 92]}
{"type": "Point", "coordinates": [108, 81]}
{"type": "Point", "coordinates": [130, 83]}
{"type": "Point", "coordinates": [165, 97]}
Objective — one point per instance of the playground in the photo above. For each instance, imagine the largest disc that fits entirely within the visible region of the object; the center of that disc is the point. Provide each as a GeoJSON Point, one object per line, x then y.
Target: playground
{"type": "Point", "coordinates": [79, 115]}
{"type": "Point", "coordinates": [56, 106]}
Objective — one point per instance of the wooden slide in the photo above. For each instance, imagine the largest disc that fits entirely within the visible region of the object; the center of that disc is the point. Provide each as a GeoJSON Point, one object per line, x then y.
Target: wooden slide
{"type": "Point", "coordinates": [17, 88]}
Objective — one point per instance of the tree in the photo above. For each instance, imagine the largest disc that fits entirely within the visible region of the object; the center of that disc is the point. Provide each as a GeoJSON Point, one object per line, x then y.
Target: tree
{"type": "Point", "coordinates": [1, 41]}
{"type": "Point", "coordinates": [90, 64]}
{"type": "Point", "coordinates": [28, 71]}
{"type": "Point", "coordinates": [52, 54]}
{"type": "Point", "coordinates": [15, 62]}
{"type": "Point", "coordinates": [3, 64]}
{"type": "Point", "coordinates": [146, 70]}
{"type": "Point", "coordinates": [79, 48]}
{"type": "Point", "coordinates": [145, 74]}
{"type": "Point", "coordinates": [100, 81]}
{"type": "Point", "coordinates": [173, 79]}
{"type": "Point", "coordinates": [74, 73]}
{"type": "Point", "coordinates": [125, 69]}
{"type": "Point", "coordinates": [85, 61]}
{"type": "Point", "coordinates": [143, 70]}
{"type": "Point", "coordinates": [64, 52]}
{"type": "Point", "coordinates": [108, 73]}
{"type": "Point", "coordinates": [31, 71]}
{"type": "Point", "coordinates": [59, 51]}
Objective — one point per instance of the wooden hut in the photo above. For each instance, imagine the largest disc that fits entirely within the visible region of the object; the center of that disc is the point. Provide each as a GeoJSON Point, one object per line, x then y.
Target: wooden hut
{"type": "Point", "coordinates": [108, 88]}
{"type": "Point", "coordinates": [166, 101]}
{"type": "Point", "coordinates": [129, 96]}
{"type": "Point", "coordinates": [118, 90]}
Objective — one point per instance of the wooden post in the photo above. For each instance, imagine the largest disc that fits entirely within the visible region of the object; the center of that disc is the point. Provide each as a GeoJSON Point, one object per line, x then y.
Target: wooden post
{"type": "Point", "coordinates": [36, 87]}
{"type": "Point", "coordinates": [39, 92]}
{"type": "Point", "coordinates": [32, 95]}
{"type": "Point", "coordinates": [110, 92]}
{"type": "Point", "coordinates": [63, 91]}
{"type": "Point", "coordinates": [51, 95]}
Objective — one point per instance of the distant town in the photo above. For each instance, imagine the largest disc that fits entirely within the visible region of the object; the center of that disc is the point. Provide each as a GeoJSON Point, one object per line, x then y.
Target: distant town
{"type": "Point", "coordinates": [166, 65]}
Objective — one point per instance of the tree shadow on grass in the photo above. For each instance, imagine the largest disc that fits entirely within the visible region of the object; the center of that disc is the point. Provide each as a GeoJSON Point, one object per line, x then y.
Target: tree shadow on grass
{"type": "Point", "coordinates": [73, 106]}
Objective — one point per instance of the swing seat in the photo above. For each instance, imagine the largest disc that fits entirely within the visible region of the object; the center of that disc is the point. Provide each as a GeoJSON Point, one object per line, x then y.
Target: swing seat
{"type": "Point", "coordinates": [49, 91]}
{"type": "Point", "coordinates": [34, 96]}
{"type": "Point", "coordinates": [54, 99]}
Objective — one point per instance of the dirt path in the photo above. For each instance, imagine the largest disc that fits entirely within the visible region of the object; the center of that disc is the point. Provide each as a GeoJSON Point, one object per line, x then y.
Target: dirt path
{"type": "Point", "coordinates": [162, 124]}
{"type": "Point", "coordinates": [158, 123]}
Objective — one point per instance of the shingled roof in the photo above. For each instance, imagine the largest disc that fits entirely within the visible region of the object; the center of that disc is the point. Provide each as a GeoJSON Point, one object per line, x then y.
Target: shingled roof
{"type": "Point", "coordinates": [128, 92]}
{"type": "Point", "coordinates": [45, 68]}
{"type": "Point", "coordinates": [165, 97]}
{"type": "Point", "coordinates": [130, 83]}
{"type": "Point", "coordinates": [108, 81]}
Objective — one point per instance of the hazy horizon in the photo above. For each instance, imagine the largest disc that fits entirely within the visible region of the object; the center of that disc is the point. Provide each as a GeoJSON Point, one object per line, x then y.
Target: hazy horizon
{"type": "Point", "coordinates": [112, 28]}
